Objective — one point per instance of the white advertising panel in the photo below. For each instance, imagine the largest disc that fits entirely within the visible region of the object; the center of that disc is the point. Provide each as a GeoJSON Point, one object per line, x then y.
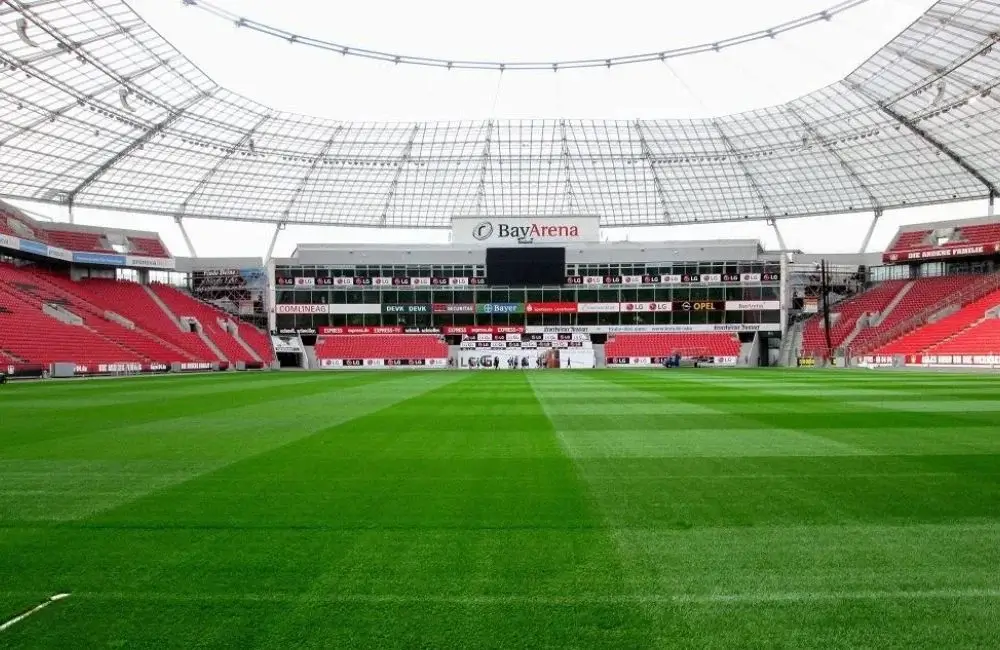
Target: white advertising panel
{"type": "Point", "coordinates": [752, 305]}
{"type": "Point", "coordinates": [524, 231]}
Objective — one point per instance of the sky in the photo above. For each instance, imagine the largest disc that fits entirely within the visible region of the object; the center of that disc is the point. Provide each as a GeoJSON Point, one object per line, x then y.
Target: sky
{"type": "Point", "coordinates": [297, 78]}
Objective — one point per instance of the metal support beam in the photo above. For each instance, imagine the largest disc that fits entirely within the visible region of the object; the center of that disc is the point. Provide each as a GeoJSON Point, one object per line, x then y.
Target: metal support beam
{"type": "Point", "coordinates": [989, 207]}
{"type": "Point", "coordinates": [309, 172]}
{"type": "Point", "coordinates": [222, 161]}
{"type": "Point", "coordinates": [278, 227]}
{"type": "Point", "coordinates": [403, 160]}
{"type": "Point", "coordinates": [566, 162]}
{"type": "Point", "coordinates": [746, 172]}
{"type": "Point", "coordinates": [135, 144]}
{"type": "Point", "coordinates": [929, 139]}
{"type": "Point", "coordinates": [816, 137]}
{"type": "Point", "coordinates": [70, 211]}
{"type": "Point", "coordinates": [781, 240]}
{"type": "Point", "coordinates": [871, 229]}
{"type": "Point", "coordinates": [184, 233]}
{"type": "Point", "coordinates": [647, 155]}
{"type": "Point", "coordinates": [70, 48]}
{"type": "Point", "coordinates": [484, 164]}
{"type": "Point", "coordinates": [51, 115]}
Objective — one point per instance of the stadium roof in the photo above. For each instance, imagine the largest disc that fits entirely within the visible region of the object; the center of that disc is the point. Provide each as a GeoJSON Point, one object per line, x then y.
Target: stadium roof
{"type": "Point", "coordinates": [98, 110]}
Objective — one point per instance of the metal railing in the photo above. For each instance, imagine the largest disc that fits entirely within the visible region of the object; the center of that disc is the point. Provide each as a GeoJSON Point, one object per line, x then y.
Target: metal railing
{"type": "Point", "coordinates": [960, 299]}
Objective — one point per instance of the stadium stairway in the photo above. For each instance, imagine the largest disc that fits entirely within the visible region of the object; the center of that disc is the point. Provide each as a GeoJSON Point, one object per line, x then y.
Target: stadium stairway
{"type": "Point", "coordinates": [35, 337]}
{"type": "Point", "coordinates": [216, 324]}
{"type": "Point", "coordinates": [953, 293]}
{"type": "Point", "coordinates": [949, 333]}
{"type": "Point", "coordinates": [847, 317]}
{"type": "Point", "coordinates": [147, 344]}
{"type": "Point", "coordinates": [923, 293]}
{"type": "Point", "coordinates": [131, 301]}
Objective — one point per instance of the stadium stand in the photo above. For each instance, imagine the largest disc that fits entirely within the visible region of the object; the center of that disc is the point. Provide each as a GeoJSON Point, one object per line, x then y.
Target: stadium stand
{"type": "Point", "coordinates": [920, 295]}
{"type": "Point", "coordinates": [132, 301]}
{"type": "Point", "coordinates": [661, 345]}
{"type": "Point", "coordinates": [967, 327]}
{"type": "Point", "coordinates": [382, 346]}
{"type": "Point", "coordinates": [213, 321]}
{"type": "Point", "coordinates": [844, 317]}
{"type": "Point", "coordinates": [148, 246]}
{"type": "Point", "coordinates": [79, 241]}
{"type": "Point", "coordinates": [964, 235]}
{"type": "Point", "coordinates": [27, 332]}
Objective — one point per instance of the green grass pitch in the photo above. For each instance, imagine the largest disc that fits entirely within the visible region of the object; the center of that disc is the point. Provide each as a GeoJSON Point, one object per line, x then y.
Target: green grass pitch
{"type": "Point", "coordinates": [577, 509]}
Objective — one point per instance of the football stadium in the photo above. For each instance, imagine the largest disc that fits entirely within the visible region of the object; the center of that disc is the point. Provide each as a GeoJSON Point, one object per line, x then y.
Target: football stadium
{"type": "Point", "coordinates": [724, 379]}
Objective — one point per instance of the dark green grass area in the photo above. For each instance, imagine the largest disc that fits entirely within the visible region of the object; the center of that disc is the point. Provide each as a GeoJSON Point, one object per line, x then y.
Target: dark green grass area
{"type": "Point", "coordinates": [631, 509]}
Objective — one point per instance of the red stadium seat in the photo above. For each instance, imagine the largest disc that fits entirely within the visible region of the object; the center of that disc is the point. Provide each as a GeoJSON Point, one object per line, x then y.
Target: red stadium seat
{"type": "Point", "coordinates": [661, 345]}
{"type": "Point", "coordinates": [382, 346]}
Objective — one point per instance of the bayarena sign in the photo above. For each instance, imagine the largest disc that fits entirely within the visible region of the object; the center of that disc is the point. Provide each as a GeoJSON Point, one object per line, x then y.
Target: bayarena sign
{"type": "Point", "coordinates": [513, 231]}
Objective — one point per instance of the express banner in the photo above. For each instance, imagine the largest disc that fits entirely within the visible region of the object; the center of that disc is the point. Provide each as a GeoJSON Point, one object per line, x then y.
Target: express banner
{"type": "Point", "coordinates": [482, 329]}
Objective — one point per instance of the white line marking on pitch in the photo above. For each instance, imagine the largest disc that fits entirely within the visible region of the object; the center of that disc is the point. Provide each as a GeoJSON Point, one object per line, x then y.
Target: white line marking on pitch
{"type": "Point", "coordinates": [34, 610]}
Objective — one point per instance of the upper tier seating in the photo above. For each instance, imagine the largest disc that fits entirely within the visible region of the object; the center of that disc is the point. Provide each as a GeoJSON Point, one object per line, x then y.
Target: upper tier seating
{"type": "Point", "coordinates": [78, 241]}
{"type": "Point", "coordinates": [924, 293]}
{"type": "Point", "coordinates": [382, 346]}
{"type": "Point", "coordinates": [148, 247]}
{"type": "Point", "coordinates": [873, 301]}
{"type": "Point", "coordinates": [987, 233]}
{"type": "Point", "coordinates": [11, 225]}
{"type": "Point", "coordinates": [131, 301]}
{"type": "Point", "coordinates": [662, 345]}
{"type": "Point", "coordinates": [182, 304]}
{"type": "Point", "coordinates": [946, 330]}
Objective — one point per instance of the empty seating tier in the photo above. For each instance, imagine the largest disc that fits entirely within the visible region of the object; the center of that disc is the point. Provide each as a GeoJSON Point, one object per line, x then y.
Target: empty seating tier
{"type": "Point", "coordinates": [662, 345]}
{"type": "Point", "coordinates": [213, 321]}
{"type": "Point", "coordinates": [382, 346]}
{"type": "Point", "coordinates": [844, 317]}
{"type": "Point", "coordinates": [950, 330]}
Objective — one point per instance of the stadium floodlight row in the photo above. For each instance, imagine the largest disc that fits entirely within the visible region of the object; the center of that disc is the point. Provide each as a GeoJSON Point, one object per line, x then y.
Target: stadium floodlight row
{"type": "Point", "coordinates": [91, 115]}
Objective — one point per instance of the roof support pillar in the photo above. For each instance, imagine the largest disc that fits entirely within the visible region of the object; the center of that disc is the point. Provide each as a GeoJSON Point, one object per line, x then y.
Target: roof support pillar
{"type": "Point", "coordinates": [179, 220]}
{"type": "Point", "coordinates": [781, 240]}
{"type": "Point", "coordinates": [871, 229]}
{"type": "Point", "coordinates": [989, 208]}
{"type": "Point", "coordinates": [278, 227]}
{"type": "Point", "coordinates": [70, 211]}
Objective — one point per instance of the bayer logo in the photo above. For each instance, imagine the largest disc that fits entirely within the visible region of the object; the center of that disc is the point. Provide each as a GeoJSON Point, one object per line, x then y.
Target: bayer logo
{"type": "Point", "coordinates": [482, 230]}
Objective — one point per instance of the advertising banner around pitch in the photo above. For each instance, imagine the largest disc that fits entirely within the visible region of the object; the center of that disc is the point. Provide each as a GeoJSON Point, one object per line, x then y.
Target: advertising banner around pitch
{"type": "Point", "coordinates": [550, 308]}
{"type": "Point", "coordinates": [406, 309]}
{"type": "Point", "coordinates": [447, 308]}
{"type": "Point", "coordinates": [500, 308]}
{"type": "Point", "coordinates": [539, 231]}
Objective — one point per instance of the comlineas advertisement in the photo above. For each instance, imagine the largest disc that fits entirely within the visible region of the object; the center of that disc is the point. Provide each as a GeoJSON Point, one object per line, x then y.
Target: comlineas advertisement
{"type": "Point", "coordinates": [524, 231]}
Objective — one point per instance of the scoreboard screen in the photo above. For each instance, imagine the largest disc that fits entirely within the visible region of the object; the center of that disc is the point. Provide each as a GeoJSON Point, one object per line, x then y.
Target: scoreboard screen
{"type": "Point", "coordinates": [525, 267]}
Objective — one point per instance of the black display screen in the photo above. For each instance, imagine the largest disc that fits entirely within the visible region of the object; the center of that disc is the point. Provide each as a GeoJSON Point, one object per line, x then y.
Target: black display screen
{"type": "Point", "coordinates": [525, 267]}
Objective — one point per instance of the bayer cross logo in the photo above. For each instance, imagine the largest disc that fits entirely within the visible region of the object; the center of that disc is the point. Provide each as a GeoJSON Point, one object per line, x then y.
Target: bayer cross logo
{"type": "Point", "coordinates": [482, 230]}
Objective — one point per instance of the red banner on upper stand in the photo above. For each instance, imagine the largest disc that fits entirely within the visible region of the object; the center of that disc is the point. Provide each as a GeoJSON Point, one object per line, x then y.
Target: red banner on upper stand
{"type": "Point", "coordinates": [942, 252]}
{"type": "Point", "coordinates": [550, 308]}
{"type": "Point", "coordinates": [482, 329]}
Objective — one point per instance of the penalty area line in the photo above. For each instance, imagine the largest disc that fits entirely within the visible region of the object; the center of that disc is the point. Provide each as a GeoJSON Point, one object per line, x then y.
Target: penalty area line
{"type": "Point", "coordinates": [34, 610]}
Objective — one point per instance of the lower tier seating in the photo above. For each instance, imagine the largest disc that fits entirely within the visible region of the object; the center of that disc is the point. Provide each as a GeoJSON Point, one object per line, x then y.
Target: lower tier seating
{"type": "Point", "coordinates": [182, 304]}
{"type": "Point", "coordinates": [946, 330]}
{"type": "Point", "coordinates": [382, 346]}
{"type": "Point", "coordinates": [981, 338]}
{"type": "Point", "coordinates": [844, 317]}
{"type": "Point", "coordinates": [661, 345]}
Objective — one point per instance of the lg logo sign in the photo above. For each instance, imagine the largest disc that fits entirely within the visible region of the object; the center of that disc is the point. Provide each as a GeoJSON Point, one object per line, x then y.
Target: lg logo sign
{"type": "Point", "coordinates": [482, 231]}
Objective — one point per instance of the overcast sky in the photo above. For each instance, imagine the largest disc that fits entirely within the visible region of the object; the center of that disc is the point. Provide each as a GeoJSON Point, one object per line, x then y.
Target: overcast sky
{"type": "Point", "coordinates": [301, 79]}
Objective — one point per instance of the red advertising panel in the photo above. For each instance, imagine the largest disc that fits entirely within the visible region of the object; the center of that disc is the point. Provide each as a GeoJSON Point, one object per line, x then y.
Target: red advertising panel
{"type": "Point", "coordinates": [334, 331]}
{"type": "Point", "coordinates": [550, 308]}
{"type": "Point", "coordinates": [482, 329]}
{"type": "Point", "coordinates": [447, 308]}
{"type": "Point", "coordinates": [941, 253]}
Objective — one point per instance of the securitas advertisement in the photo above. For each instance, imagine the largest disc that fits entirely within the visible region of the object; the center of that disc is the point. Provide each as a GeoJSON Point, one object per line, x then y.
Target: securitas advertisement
{"type": "Point", "coordinates": [513, 231]}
